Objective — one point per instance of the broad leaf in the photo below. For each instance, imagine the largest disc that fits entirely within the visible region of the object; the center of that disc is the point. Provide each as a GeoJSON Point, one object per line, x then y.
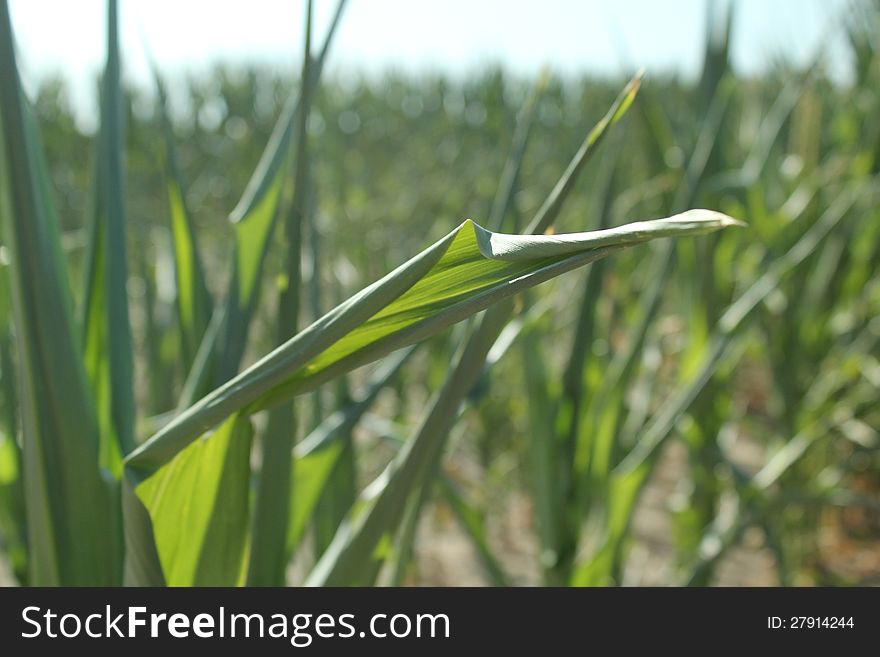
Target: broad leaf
{"type": "Point", "coordinates": [198, 504]}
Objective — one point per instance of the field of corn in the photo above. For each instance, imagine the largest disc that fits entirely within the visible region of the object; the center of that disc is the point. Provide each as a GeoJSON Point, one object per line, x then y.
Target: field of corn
{"type": "Point", "coordinates": [332, 332]}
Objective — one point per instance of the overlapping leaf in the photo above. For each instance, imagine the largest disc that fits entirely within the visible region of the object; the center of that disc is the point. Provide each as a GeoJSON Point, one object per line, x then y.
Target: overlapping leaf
{"type": "Point", "coordinates": [198, 504]}
{"type": "Point", "coordinates": [465, 272]}
{"type": "Point", "coordinates": [71, 518]}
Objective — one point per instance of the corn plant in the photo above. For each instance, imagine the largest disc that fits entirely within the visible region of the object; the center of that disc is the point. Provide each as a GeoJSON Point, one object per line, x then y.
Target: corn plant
{"type": "Point", "coordinates": [182, 506]}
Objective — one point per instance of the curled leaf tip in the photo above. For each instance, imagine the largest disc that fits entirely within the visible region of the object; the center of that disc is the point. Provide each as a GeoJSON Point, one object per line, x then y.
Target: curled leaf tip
{"type": "Point", "coordinates": [711, 218]}
{"type": "Point", "coordinates": [722, 219]}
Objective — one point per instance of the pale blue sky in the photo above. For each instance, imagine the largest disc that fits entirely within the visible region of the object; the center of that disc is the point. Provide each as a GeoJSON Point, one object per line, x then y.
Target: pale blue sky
{"type": "Point", "coordinates": [571, 36]}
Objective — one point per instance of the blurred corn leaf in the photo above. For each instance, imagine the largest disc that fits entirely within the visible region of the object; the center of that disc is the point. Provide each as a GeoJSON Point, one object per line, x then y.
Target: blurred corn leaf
{"type": "Point", "coordinates": [473, 523]}
{"type": "Point", "coordinates": [317, 455]}
{"type": "Point", "coordinates": [106, 330]}
{"type": "Point", "coordinates": [268, 558]}
{"type": "Point", "coordinates": [500, 216]}
{"type": "Point", "coordinates": [355, 555]}
{"type": "Point", "coordinates": [254, 219]}
{"type": "Point", "coordinates": [194, 302]}
{"type": "Point", "coordinates": [73, 523]}
{"type": "Point", "coordinates": [13, 531]}
{"type": "Point", "coordinates": [628, 477]}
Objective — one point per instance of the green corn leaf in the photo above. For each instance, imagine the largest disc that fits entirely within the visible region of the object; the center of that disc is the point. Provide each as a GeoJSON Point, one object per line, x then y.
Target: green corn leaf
{"type": "Point", "coordinates": [600, 424]}
{"type": "Point", "coordinates": [358, 540]}
{"type": "Point", "coordinates": [316, 456]}
{"type": "Point", "coordinates": [508, 185]}
{"type": "Point", "coordinates": [555, 422]}
{"type": "Point", "coordinates": [198, 504]}
{"type": "Point", "coordinates": [271, 508]}
{"type": "Point", "coordinates": [73, 524]}
{"type": "Point", "coordinates": [106, 329]}
{"type": "Point", "coordinates": [552, 205]}
{"type": "Point", "coordinates": [254, 220]}
{"type": "Point", "coordinates": [509, 181]}
{"type": "Point", "coordinates": [716, 53]}
{"type": "Point", "coordinates": [473, 524]}
{"type": "Point", "coordinates": [194, 302]}
{"type": "Point", "coordinates": [13, 530]}
{"type": "Point", "coordinates": [463, 273]}
{"type": "Point", "coordinates": [312, 470]}
{"type": "Point", "coordinates": [626, 480]}
{"type": "Point", "coordinates": [358, 549]}
{"type": "Point", "coordinates": [355, 554]}
{"type": "Point", "coordinates": [400, 552]}
{"type": "Point", "coordinates": [252, 238]}
{"type": "Point", "coordinates": [545, 451]}
{"type": "Point", "coordinates": [338, 496]}
{"type": "Point", "coordinates": [277, 150]}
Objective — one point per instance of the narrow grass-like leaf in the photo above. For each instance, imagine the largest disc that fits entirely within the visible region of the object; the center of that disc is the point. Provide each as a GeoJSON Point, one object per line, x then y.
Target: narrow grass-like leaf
{"type": "Point", "coordinates": [106, 329]}
{"type": "Point", "coordinates": [73, 528]}
{"type": "Point", "coordinates": [194, 303]}
{"type": "Point", "coordinates": [473, 524]}
{"type": "Point", "coordinates": [313, 469]}
{"type": "Point", "coordinates": [557, 421]}
{"type": "Point", "coordinates": [546, 451]}
{"type": "Point", "coordinates": [401, 553]}
{"type": "Point", "coordinates": [254, 219]}
{"type": "Point", "coordinates": [507, 188]}
{"type": "Point", "coordinates": [548, 212]}
{"type": "Point", "coordinates": [266, 566]}
{"type": "Point", "coordinates": [338, 496]}
{"type": "Point", "coordinates": [628, 477]}
{"type": "Point", "coordinates": [316, 456]}
{"type": "Point", "coordinates": [509, 181]}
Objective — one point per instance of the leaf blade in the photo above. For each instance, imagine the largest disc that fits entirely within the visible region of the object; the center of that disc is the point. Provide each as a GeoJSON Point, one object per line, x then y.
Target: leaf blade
{"type": "Point", "coordinates": [412, 302]}
{"type": "Point", "coordinates": [73, 528]}
{"type": "Point", "coordinates": [198, 504]}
